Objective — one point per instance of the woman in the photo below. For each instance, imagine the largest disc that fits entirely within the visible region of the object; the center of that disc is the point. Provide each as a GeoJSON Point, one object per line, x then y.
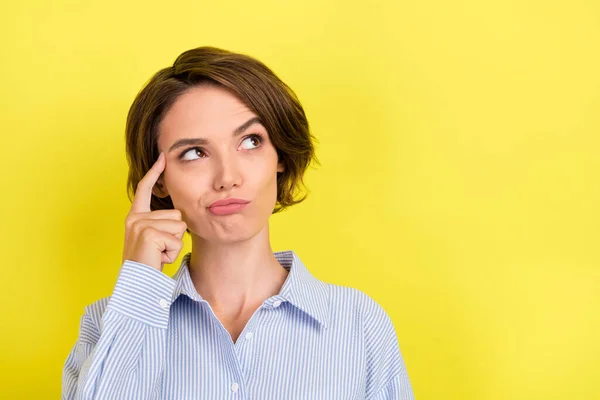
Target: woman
{"type": "Point", "coordinates": [216, 144]}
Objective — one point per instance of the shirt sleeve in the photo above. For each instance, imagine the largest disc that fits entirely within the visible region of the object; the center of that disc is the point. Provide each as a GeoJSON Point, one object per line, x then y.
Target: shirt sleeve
{"type": "Point", "coordinates": [398, 388]}
{"type": "Point", "coordinates": [387, 377]}
{"type": "Point", "coordinates": [120, 355]}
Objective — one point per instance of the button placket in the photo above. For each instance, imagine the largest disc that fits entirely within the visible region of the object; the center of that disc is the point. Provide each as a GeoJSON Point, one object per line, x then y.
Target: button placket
{"type": "Point", "coordinates": [245, 345]}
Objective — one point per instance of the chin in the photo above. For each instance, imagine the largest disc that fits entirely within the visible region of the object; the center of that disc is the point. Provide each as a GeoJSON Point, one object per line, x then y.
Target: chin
{"type": "Point", "coordinates": [231, 235]}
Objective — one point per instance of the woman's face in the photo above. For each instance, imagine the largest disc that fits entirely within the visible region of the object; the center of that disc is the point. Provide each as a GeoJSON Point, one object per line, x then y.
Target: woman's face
{"type": "Point", "coordinates": [232, 157]}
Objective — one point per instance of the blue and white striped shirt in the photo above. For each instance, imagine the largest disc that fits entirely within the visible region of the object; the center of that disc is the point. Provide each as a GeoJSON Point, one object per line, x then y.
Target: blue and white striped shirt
{"type": "Point", "coordinates": [156, 338]}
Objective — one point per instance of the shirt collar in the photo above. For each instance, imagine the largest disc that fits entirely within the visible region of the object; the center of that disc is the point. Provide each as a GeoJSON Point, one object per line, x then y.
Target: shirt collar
{"type": "Point", "coordinates": [301, 288]}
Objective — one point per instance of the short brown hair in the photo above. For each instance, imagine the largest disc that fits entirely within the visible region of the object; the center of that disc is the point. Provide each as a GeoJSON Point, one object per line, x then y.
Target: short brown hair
{"type": "Point", "coordinates": [253, 83]}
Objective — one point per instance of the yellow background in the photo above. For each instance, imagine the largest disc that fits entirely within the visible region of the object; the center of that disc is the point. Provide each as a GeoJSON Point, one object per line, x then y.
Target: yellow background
{"type": "Point", "coordinates": [459, 181]}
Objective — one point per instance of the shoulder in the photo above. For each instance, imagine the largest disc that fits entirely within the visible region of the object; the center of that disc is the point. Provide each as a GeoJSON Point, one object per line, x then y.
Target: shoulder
{"type": "Point", "coordinates": [91, 321]}
{"type": "Point", "coordinates": [383, 359]}
{"type": "Point", "coordinates": [96, 309]}
{"type": "Point", "coordinates": [346, 298]}
{"type": "Point", "coordinates": [352, 308]}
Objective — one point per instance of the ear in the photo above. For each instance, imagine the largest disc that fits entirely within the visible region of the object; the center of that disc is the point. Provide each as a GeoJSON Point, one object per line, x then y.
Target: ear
{"type": "Point", "coordinates": [280, 167]}
{"type": "Point", "coordinates": [159, 189]}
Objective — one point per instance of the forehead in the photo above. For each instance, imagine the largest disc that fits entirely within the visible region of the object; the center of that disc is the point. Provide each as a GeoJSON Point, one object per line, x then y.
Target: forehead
{"type": "Point", "coordinates": [203, 111]}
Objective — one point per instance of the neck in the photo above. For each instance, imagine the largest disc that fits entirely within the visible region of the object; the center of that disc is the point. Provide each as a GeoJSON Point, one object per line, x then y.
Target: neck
{"type": "Point", "coordinates": [236, 276]}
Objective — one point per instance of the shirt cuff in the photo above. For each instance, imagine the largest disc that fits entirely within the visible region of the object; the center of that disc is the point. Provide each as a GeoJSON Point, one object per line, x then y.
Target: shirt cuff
{"type": "Point", "coordinates": [143, 293]}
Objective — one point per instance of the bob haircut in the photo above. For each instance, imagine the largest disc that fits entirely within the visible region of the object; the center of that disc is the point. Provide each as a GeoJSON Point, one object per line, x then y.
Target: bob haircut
{"type": "Point", "coordinates": [254, 84]}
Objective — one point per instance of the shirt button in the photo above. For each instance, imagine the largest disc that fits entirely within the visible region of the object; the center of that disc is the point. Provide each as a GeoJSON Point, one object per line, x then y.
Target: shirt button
{"type": "Point", "coordinates": [276, 303]}
{"type": "Point", "coordinates": [234, 387]}
{"type": "Point", "coordinates": [163, 303]}
{"type": "Point", "coordinates": [248, 335]}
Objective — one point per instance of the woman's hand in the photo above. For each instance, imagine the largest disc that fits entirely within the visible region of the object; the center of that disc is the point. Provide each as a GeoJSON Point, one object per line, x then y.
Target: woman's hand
{"type": "Point", "coordinates": [153, 238]}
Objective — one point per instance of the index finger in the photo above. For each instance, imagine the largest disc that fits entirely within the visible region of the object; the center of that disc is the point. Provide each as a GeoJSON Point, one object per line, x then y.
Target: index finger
{"type": "Point", "coordinates": [143, 193]}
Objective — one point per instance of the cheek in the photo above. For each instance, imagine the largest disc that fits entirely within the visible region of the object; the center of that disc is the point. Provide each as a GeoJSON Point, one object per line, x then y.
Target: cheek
{"type": "Point", "coordinates": [264, 177]}
{"type": "Point", "coordinates": [185, 187]}
{"type": "Point", "coordinates": [269, 189]}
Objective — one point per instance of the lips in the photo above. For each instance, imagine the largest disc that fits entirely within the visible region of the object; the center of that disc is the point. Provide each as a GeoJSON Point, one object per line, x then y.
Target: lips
{"type": "Point", "coordinates": [227, 206]}
{"type": "Point", "coordinates": [228, 201]}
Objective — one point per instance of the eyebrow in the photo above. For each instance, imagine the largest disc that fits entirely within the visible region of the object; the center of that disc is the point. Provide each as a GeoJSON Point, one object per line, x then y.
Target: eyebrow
{"type": "Point", "coordinates": [200, 141]}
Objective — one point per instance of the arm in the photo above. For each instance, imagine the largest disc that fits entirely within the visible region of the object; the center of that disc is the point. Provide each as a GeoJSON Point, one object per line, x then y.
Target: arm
{"type": "Point", "coordinates": [398, 388]}
{"type": "Point", "coordinates": [387, 378]}
{"type": "Point", "coordinates": [119, 352]}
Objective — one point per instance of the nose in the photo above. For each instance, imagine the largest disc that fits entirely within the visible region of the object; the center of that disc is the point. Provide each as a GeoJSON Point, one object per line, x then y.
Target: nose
{"type": "Point", "coordinates": [227, 174]}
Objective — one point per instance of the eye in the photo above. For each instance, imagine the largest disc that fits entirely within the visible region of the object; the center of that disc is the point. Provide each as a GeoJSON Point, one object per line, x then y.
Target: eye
{"type": "Point", "coordinates": [255, 136]}
{"type": "Point", "coordinates": [190, 151]}
{"type": "Point", "coordinates": [250, 142]}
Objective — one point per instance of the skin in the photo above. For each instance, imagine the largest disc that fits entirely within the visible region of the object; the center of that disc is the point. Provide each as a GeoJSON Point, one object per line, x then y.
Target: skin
{"type": "Point", "coordinates": [232, 263]}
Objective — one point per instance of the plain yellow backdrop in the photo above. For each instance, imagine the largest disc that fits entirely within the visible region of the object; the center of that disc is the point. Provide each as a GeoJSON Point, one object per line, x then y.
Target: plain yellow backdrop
{"type": "Point", "coordinates": [458, 187]}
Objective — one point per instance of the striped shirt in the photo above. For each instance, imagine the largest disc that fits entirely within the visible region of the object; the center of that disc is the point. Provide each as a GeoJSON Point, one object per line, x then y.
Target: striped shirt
{"type": "Point", "coordinates": [156, 338]}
